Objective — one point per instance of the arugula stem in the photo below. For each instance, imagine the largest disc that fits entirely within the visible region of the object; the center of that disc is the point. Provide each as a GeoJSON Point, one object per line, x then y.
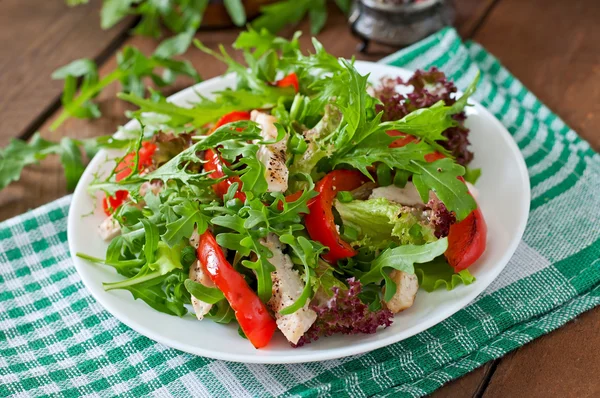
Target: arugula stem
{"type": "Point", "coordinates": [86, 96]}
{"type": "Point", "coordinates": [131, 281]}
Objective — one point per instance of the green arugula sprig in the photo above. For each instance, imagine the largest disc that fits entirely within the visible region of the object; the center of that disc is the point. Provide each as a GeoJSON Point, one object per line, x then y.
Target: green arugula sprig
{"type": "Point", "coordinates": [132, 67]}
{"type": "Point", "coordinates": [184, 15]}
{"type": "Point", "coordinates": [19, 154]}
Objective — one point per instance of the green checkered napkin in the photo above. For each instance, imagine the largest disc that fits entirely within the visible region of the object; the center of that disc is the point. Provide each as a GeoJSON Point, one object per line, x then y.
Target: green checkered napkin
{"type": "Point", "coordinates": [55, 339]}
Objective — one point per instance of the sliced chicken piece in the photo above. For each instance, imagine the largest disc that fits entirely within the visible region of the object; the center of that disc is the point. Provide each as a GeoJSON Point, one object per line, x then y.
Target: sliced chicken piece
{"type": "Point", "coordinates": [155, 187]}
{"type": "Point", "coordinates": [287, 287]}
{"type": "Point", "coordinates": [406, 290]}
{"type": "Point", "coordinates": [273, 156]}
{"type": "Point", "coordinates": [109, 228]}
{"type": "Point", "coordinates": [195, 239]}
{"type": "Point", "coordinates": [198, 274]}
{"type": "Point", "coordinates": [407, 196]}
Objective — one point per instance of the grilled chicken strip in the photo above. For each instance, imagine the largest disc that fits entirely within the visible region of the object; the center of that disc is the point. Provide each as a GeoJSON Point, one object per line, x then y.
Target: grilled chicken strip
{"type": "Point", "coordinates": [273, 156]}
{"type": "Point", "coordinates": [197, 274]}
{"type": "Point", "coordinates": [407, 196]}
{"type": "Point", "coordinates": [287, 287]}
{"type": "Point", "coordinates": [109, 229]}
{"type": "Point", "coordinates": [406, 290]}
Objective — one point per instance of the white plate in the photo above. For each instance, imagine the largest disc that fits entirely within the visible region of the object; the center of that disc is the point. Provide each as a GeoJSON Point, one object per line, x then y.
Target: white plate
{"type": "Point", "coordinates": [504, 195]}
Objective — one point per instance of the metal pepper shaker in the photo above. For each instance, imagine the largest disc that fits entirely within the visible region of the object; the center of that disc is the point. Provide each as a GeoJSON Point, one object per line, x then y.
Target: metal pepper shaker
{"type": "Point", "coordinates": [398, 22]}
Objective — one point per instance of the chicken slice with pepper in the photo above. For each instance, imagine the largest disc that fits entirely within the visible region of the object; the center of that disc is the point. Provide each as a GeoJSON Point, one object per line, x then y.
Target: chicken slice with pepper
{"type": "Point", "coordinates": [287, 287]}
{"type": "Point", "coordinates": [273, 156]}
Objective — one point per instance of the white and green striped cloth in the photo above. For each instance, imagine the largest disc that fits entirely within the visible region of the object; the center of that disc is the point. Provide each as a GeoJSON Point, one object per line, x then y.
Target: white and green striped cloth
{"type": "Point", "coordinates": [56, 340]}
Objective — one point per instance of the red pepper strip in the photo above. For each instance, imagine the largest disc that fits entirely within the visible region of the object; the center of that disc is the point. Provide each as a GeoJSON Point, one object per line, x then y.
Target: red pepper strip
{"type": "Point", "coordinates": [320, 223]}
{"type": "Point", "coordinates": [251, 313]}
{"type": "Point", "coordinates": [110, 203]}
{"type": "Point", "coordinates": [466, 240]}
{"type": "Point", "coordinates": [290, 80]}
{"type": "Point", "coordinates": [231, 117]}
{"type": "Point", "coordinates": [407, 139]}
{"type": "Point", "coordinates": [123, 170]}
{"type": "Point", "coordinates": [214, 164]}
{"type": "Point", "coordinates": [292, 198]}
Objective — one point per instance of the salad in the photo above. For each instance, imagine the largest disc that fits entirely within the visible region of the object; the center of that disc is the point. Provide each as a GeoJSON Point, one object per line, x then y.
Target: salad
{"type": "Point", "coordinates": [304, 200]}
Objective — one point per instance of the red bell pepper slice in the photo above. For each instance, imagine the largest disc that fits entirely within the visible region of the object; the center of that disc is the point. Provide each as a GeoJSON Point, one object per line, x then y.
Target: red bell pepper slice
{"type": "Point", "coordinates": [466, 241]}
{"type": "Point", "coordinates": [123, 170]}
{"type": "Point", "coordinates": [320, 223]}
{"type": "Point", "coordinates": [251, 313]}
{"type": "Point", "coordinates": [110, 203]}
{"type": "Point", "coordinates": [231, 117]}
{"type": "Point", "coordinates": [290, 80]}
{"type": "Point", "coordinates": [214, 164]}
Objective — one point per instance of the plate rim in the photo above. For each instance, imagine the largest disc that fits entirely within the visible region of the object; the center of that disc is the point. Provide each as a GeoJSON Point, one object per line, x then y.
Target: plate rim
{"type": "Point", "coordinates": [331, 353]}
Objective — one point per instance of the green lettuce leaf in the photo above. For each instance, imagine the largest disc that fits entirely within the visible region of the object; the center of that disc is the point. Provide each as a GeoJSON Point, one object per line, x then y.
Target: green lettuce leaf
{"type": "Point", "coordinates": [380, 222]}
{"type": "Point", "coordinates": [438, 273]}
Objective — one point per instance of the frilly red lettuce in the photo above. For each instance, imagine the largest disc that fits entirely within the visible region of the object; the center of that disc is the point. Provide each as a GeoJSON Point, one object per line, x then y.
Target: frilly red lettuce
{"type": "Point", "coordinates": [429, 87]}
{"type": "Point", "coordinates": [345, 313]}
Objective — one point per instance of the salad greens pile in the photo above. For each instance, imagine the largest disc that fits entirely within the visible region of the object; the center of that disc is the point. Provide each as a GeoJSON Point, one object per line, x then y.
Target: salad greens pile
{"type": "Point", "coordinates": [191, 173]}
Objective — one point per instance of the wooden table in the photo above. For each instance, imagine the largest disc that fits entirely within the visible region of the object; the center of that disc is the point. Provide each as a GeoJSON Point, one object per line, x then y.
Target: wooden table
{"type": "Point", "coordinates": [552, 46]}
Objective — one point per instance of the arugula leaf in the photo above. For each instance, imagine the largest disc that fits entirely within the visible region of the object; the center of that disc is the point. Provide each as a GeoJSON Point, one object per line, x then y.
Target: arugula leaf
{"type": "Point", "coordinates": [438, 273]}
{"type": "Point", "coordinates": [19, 154]}
{"type": "Point", "coordinates": [277, 15]}
{"type": "Point", "coordinates": [261, 267]}
{"type": "Point", "coordinates": [364, 156]}
{"type": "Point", "coordinates": [318, 16]}
{"type": "Point", "coordinates": [167, 258]}
{"type": "Point", "coordinates": [114, 11]}
{"type": "Point", "coordinates": [461, 103]}
{"type": "Point", "coordinates": [221, 312]}
{"type": "Point", "coordinates": [160, 291]}
{"type": "Point", "coordinates": [209, 295]}
{"type": "Point", "coordinates": [401, 258]}
{"type": "Point", "coordinates": [426, 123]}
{"type": "Point", "coordinates": [441, 178]}
{"type": "Point", "coordinates": [151, 240]}
{"type": "Point", "coordinates": [190, 216]}
{"type": "Point", "coordinates": [472, 175]}
{"type": "Point", "coordinates": [236, 11]}
{"type": "Point", "coordinates": [132, 67]}
{"type": "Point", "coordinates": [262, 40]}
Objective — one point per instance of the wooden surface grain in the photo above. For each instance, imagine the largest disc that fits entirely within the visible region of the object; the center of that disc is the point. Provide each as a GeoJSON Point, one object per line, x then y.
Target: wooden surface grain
{"type": "Point", "coordinates": [36, 38]}
{"type": "Point", "coordinates": [553, 47]}
{"type": "Point", "coordinates": [550, 45]}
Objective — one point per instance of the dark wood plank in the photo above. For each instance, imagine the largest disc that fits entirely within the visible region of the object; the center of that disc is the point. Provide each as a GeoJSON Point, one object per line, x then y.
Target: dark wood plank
{"type": "Point", "coordinates": [470, 14]}
{"type": "Point", "coordinates": [564, 363]}
{"type": "Point", "coordinates": [552, 46]}
{"type": "Point", "coordinates": [555, 54]}
{"type": "Point", "coordinates": [37, 37]}
{"type": "Point", "coordinates": [467, 386]}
